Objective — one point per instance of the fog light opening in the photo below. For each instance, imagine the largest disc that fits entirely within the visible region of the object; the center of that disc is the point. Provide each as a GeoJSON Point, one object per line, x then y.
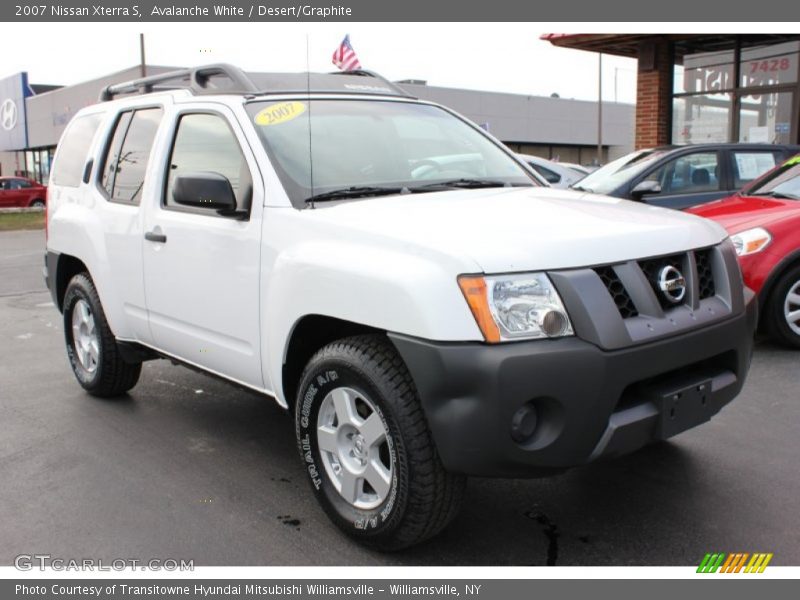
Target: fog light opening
{"type": "Point", "coordinates": [523, 423]}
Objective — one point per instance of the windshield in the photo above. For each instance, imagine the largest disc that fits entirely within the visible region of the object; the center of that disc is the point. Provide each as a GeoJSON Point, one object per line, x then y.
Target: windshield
{"type": "Point", "coordinates": [361, 146]}
{"type": "Point", "coordinates": [783, 182]}
{"type": "Point", "coordinates": [608, 178]}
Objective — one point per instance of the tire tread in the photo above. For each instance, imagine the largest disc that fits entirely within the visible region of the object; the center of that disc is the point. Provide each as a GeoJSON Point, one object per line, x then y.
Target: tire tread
{"type": "Point", "coordinates": [434, 495]}
{"type": "Point", "coordinates": [775, 322]}
{"type": "Point", "coordinates": [116, 375]}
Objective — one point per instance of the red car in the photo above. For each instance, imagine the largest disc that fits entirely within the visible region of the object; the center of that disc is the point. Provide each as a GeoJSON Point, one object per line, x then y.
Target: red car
{"type": "Point", "coordinates": [763, 221]}
{"type": "Point", "coordinates": [21, 192]}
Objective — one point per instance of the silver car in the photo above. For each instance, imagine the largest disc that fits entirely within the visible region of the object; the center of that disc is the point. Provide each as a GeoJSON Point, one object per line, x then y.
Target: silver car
{"type": "Point", "coordinates": [558, 175]}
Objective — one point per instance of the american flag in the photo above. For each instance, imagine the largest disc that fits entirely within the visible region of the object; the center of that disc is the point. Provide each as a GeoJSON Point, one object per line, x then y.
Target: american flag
{"type": "Point", "coordinates": [345, 57]}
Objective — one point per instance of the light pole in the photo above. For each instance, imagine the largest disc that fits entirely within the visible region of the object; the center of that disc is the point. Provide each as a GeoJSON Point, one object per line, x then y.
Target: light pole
{"type": "Point", "coordinates": [142, 63]}
{"type": "Point", "coordinates": [599, 109]}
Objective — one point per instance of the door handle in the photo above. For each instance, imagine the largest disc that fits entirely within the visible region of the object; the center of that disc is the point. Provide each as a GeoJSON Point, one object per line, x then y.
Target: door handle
{"type": "Point", "coordinates": [153, 236]}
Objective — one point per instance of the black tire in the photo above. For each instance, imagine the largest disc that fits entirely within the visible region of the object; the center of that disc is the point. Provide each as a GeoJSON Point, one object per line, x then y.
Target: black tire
{"type": "Point", "coordinates": [775, 317]}
{"type": "Point", "coordinates": [37, 203]}
{"type": "Point", "coordinates": [423, 497]}
{"type": "Point", "coordinates": [111, 375]}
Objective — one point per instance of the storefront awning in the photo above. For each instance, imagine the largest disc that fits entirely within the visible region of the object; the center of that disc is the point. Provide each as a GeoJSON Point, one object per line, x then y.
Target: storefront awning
{"type": "Point", "coordinates": [629, 44]}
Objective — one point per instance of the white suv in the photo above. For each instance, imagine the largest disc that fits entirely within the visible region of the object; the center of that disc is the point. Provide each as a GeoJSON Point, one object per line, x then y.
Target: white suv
{"type": "Point", "coordinates": [392, 275]}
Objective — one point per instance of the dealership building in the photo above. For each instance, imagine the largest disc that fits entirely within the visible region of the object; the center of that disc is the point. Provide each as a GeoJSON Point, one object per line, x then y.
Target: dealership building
{"type": "Point", "coordinates": [707, 88]}
{"type": "Point", "coordinates": [33, 117]}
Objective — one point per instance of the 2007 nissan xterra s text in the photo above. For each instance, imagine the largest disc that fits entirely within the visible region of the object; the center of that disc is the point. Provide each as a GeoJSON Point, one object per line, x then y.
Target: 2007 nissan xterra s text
{"type": "Point", "coordinates": [420, 301]}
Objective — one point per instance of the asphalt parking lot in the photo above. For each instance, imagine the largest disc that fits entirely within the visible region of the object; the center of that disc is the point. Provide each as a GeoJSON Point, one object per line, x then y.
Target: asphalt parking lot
{"type": "Point", "coordinates": [188, 467]}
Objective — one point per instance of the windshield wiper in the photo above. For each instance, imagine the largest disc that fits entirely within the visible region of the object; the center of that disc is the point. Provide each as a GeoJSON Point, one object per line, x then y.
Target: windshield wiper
{"type": "Point", "coordinates": [465, 183]}
{"type": "Point", "coordinates": [361, 191]}
{"type": "Point", "coordinates": [355, 191]}
{"type": "Point", "coordinates": [580, 188]}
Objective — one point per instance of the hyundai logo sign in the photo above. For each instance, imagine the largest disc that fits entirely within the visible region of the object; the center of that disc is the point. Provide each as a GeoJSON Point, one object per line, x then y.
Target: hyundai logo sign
{"type": "Point", "coordinates": [8, 114]}
{"type": "Point", "coordinates": [13, 126]}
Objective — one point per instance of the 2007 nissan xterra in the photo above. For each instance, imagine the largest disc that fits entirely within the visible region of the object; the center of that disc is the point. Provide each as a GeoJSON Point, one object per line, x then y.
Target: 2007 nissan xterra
{"type": "Point", "coordinates": [425, 306]}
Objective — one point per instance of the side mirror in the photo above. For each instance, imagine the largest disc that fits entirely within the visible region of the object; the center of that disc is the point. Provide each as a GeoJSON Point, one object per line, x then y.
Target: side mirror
{"type": "Point", "coordinates": [205, 190]}
{"type": "Point", "coordinates": [645, 187]}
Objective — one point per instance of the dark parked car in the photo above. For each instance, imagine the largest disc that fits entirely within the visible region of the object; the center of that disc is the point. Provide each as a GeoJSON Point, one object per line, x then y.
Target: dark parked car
{"type": "Point", "coordinates": [683, 176]}
{"type": "Point", "coordinates": [21, 192]}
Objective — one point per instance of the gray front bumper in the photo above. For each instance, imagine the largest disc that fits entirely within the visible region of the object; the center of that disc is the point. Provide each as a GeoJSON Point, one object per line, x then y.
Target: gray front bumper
{"type": "Point", "coordinates": [590, 402]}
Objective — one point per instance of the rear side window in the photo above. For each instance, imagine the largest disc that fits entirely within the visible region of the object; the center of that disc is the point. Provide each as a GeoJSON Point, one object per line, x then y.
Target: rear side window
{"type": "Point", "coordinates": [750, 165]}
{"type": "Point", "coordinates": [73, 150]}
{"type": "Point", "coordinates": [112, 152]}
{"type": "Point", "coordinates": [126, 158]}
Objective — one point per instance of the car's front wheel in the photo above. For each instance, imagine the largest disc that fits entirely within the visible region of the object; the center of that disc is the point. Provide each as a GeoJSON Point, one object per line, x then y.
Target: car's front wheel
{"type": "Point", "coordinates": [783, 309]}
{"type": "Point", "coordinates": [91, 347]}
{"type": "Point", "coordinates": [367, 448]}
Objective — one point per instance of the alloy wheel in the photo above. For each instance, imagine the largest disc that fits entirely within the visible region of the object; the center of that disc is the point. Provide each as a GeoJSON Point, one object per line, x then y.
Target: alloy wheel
{"type": "Point", "coordinates": [354, 446]}
{"type": "Point", "coordinates": [84, 336]}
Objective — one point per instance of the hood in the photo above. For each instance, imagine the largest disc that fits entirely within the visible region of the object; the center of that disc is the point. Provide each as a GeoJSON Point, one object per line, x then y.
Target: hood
{"type": "Point", "coordinates": [521, 229]}
{"type": "Point", "coordinates": [738, 213]}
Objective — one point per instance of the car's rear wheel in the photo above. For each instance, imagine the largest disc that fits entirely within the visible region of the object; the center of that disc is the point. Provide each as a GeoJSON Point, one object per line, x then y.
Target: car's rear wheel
{"type": "Point", "coordinates": [783, 309]}
{"type": "Point", "coordinates": [367, 448]}
{"type": "Point", "coordinates": [91, 347]}
{"type": "Point", "coordinates": [37, 203]}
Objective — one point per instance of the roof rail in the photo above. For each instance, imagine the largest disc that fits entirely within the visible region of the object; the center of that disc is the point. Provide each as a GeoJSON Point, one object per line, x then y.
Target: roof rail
{"type": "Point", "coordinates": [208, 80]}
{"type": "Point", "coordinates": [197, 79]}
{"type": "Point", "coordinates": [381, 78]}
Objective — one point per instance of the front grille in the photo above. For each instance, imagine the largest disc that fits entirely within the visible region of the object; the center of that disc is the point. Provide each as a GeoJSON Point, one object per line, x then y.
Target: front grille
{"type": "Point", "coordinates": [630, 300]}
{"type": "Point", "coordinates": [619, 304]}
{"type": "Point", "coordinates": [705, 276]}
{"type": "Point", "coordinates": [618, 292]}
{"type": "Point", "coordinates": [652, 268]}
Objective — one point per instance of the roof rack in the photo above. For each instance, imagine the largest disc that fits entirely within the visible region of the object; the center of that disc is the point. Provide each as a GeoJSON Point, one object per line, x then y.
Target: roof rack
{"type": "Point", "coordinates": [227, 79]}
{"type": "Point", "coordinates": [199, 80]}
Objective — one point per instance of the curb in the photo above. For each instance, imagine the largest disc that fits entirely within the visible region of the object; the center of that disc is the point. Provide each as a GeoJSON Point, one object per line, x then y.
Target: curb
{"type": "Point", "coordinates": [4, 211]}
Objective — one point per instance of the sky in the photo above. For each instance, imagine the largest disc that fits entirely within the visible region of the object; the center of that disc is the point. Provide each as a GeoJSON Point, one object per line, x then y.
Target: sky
{"type": "Point", "coordinates": [504, 57]}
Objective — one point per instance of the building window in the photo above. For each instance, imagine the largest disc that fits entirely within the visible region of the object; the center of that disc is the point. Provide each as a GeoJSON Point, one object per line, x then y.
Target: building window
{"type": "Point", "coordinates": [705, 72]}
{"type": "Point", "coordinates": [769, 65]}
{"type": "Point", "coordinates": [701, 118]}
{"type": "Point", "coordinates": [745, 94]}
{"type": "Point", "coordinates": [766, 118]}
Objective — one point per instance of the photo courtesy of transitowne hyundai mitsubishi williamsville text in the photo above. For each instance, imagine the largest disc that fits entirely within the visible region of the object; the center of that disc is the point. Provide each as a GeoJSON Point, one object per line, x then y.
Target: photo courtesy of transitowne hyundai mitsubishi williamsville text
{"type": "Point", "coordinates": [210, 591]}
{"type": "Point", "coordinates": [424, 305]}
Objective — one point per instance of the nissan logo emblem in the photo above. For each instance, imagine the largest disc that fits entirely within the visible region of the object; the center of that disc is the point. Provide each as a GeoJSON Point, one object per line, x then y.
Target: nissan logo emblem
{"type": "Point", "coordinates": [8, 114]}
{"type": "Point", "coordinates": [672, 284]}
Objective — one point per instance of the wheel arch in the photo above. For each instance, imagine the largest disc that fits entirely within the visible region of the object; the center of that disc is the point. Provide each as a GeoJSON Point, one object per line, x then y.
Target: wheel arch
{"type": "Point", "coordinates": [307, 336]}
{"type": "Point", "coordinates": [67, 267]}
{"type": "Point", "coordinates": [788, 262]}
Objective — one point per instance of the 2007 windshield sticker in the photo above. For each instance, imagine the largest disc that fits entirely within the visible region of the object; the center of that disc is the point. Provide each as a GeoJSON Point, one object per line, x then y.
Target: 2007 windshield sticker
{"type": "Point", "coordinates": [278, 113]}
{"type": "Point", "coordinates": [792, 161]}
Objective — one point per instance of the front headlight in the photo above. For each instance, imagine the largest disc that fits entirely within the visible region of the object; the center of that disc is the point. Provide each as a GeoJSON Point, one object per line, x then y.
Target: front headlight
{"type": "Point", "coordinates": [514, 307]}
{"type": "Point", "coordinates": [751, 241]}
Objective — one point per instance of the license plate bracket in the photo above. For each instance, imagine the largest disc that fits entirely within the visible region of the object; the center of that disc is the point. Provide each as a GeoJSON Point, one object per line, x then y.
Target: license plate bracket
{"type": "Point", "coordinates": [683, 408]}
